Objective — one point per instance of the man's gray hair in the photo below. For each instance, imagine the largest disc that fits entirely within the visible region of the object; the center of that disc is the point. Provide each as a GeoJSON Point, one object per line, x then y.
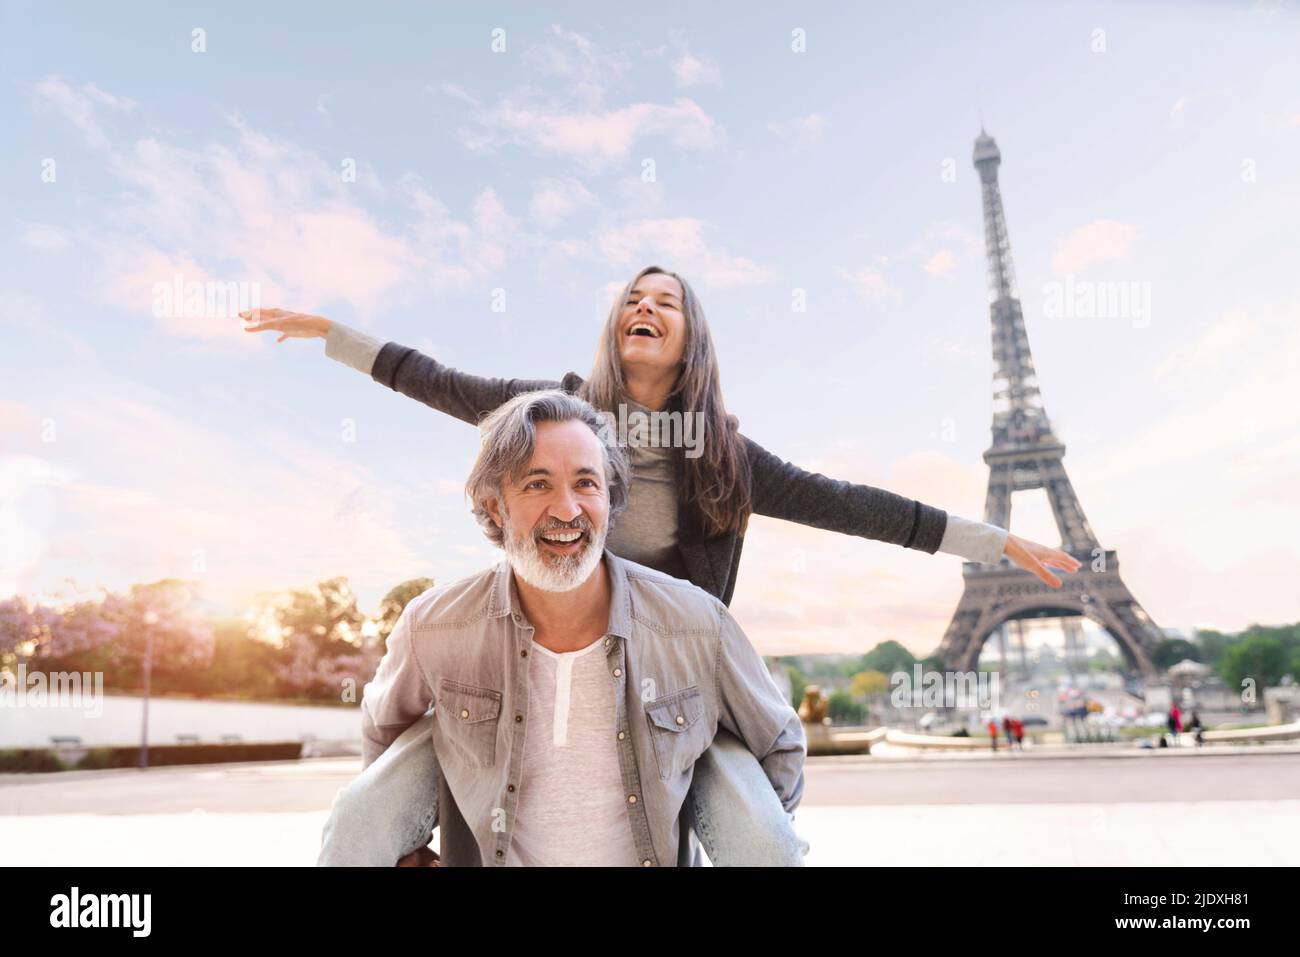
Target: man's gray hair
{"type": "Point", "coordinates": [509, 435]}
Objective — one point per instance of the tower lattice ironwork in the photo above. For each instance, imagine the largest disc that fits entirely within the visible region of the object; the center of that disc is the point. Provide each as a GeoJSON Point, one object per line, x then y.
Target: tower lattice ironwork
{"type": "Point", "coordinates": [1026, 454]}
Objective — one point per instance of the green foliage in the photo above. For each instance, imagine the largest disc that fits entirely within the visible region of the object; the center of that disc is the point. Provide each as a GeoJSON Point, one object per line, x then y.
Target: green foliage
{"type": "Point", "coordinates": [240, 660]}
{"type": "Point", "coordinates": [843, 708]}
{"type": "Point", "coordinates": [797, 685]}
{"type": "Point", "coordinates": [1261, 657]}
{"type": "Point", "coordinates": [1173, 650]}
{"type": "Point", "coordinates": [887, 658]}
{"type": "Point", "coordinates": [867, 683]}
{"type": "Point", "coordinates": [1212, 645]}
{"type": "Point", "coordinates": [395, 602]}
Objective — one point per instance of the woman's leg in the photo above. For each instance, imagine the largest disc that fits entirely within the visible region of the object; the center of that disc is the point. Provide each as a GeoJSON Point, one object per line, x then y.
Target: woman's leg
{"type": "Point", "coordinates": [736, 814]}
{"type": "Point", "coordinates": [390, 808]}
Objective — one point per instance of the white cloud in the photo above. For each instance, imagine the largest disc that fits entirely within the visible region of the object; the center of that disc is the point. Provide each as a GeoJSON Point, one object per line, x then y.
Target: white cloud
{"type": "Point", "coordinates": [270, 214]}
{"type": "Point", "coordinates": [802, 132]}
{"type": "Point", "coordinates": [29, 314]}
{"type": "Point", "coordinates": [1104, 240]}
{"type": "Point", "coordinates": [690, 70]}
{"type": "Point", "coordinates": [456, 92]}
{"type": "Point", "coordinates": [82, 106]}
{"type": "Point", "coordinates": [155, 495]}
{"type": "Point", "coordinates": [1221, 411]}
{"type": "Point", "coordinates": [595, 138]}
{"type": "Point", "coordinates": [45, 238]}
{"type": "Point", "coordinates": [941, 264]}
{"type": "Point", "coordinates": [869, 283]}
{"type": "Point", "coordinates": [679, 244]}
{"type": "Point", "coordinates": [579, 64]}
{"type": "Point", "coordinates": [564, 111]}
{"type": "Point", "coordinates": [554, 199]}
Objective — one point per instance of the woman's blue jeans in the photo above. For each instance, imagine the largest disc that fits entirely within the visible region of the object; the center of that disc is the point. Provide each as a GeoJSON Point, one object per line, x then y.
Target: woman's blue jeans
{"type": "Point", "coordinates": [391, 808]}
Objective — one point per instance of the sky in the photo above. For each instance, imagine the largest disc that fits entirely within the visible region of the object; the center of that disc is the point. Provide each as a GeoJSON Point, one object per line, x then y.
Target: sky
{"type": "Point", "coordinates": [476, 180]}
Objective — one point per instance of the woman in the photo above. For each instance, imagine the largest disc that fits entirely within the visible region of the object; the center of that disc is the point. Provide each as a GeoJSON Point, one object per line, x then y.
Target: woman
{"type": "Point", "coordinates": [686, 515]}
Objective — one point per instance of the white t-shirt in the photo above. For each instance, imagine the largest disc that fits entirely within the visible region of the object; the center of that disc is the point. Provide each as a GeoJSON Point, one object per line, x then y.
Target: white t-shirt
{"type": "Point", "coordinates": [571, 810]}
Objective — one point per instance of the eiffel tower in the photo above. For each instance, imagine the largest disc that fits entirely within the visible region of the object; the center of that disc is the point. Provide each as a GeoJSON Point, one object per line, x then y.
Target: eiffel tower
{"type": "Point", "coordinates": [1026, 454]}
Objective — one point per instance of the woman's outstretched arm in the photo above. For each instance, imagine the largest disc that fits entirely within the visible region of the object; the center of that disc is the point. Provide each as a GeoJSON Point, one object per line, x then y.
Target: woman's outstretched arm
{"type": "Point", "coordinates": [402, 369]}
{"type": "Point", "coordinates": [783, 490]}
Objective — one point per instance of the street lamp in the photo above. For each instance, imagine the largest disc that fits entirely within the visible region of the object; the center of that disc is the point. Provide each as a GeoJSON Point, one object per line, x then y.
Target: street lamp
{"type": "Point", "coordinates": [150, 618]}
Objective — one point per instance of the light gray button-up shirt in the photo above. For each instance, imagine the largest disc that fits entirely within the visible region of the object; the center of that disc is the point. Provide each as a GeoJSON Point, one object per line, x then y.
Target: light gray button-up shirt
{"type": "Point", "coordinates": [680, 667]}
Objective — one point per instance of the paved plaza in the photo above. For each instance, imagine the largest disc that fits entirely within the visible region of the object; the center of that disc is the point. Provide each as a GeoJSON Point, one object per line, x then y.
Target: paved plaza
{"type": "Point", "coordinates": [1230, 807]}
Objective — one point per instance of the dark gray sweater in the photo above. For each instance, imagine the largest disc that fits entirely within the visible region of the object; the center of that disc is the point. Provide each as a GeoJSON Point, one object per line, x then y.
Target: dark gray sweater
{"type": "Point", "coordinates": [779, 489]}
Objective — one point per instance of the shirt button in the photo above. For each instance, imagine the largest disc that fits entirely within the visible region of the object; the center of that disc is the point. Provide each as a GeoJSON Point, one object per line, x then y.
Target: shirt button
{"type": "Point", "coordinates": [646, 863]}
{"type": "Point", "coordinates": [618, 672]}
{"type": "Point", "coordinates": [523, 653]}
{"type": "Point", "coordinates": [464, 713]}
{"type": "Point", "coordinates": [621, 735]}
{"type": "Point", "coordinates": [680, 719]}
{"type": "Point", "coordinates": [607, 642]}
{"type": "Point", "coordinates": [501, 853]}
{"type": "Point", "coordinates": [518, 718]}
{"type": "Point", "coordinates": [510, 788]}
{"type": "Point", "coordinates": [631, 799]}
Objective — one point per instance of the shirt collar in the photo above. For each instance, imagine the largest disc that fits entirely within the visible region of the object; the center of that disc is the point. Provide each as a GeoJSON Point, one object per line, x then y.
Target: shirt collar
{"type": "Point", "coordinates": [504, 598]}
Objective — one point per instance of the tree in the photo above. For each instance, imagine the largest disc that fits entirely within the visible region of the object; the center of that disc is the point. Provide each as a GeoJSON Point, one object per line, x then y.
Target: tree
{"type": "Point", "coordinates": [159, 618]}
{"type": "Point", "coordinates": [1212, 645]}
{"type": "Point", "coordinates": [868, 683]}
{"type": "Point", "coordinates": [111, 634]}
{"type": "Point", "coordinates": [842, 706]}
{"type": "Point", "coordinates": [797, 685]}
{"type": "Point", "coordinates": [1173, 650]}
{"type": "Point", "coordinates": [325, 652]}
{"type": "Point", "coordinates": [241, 663]}
{"type": "Point", "coordinates": [887, 657]}
{"type": "Point", "coordinates": [1260, 657]}
{"type": "Point", "coordinates": [395, 602]}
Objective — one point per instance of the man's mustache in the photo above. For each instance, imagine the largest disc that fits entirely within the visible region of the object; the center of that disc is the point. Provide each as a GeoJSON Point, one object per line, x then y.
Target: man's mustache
{"type": "Point", "coordinates": [579, 524]}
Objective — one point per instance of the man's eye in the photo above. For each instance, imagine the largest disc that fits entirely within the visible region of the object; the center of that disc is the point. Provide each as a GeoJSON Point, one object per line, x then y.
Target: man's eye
{"type": "Point", "coordinates": [535, 482]}
{"type": "Point", "coordinates": [589, 482]}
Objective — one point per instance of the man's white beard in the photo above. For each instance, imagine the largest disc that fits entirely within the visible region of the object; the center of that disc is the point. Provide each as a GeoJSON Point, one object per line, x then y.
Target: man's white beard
{"type": "Point", "coordinates": [555, 573]}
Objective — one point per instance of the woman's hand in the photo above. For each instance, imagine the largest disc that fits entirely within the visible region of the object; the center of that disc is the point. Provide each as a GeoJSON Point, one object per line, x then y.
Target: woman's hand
{"type": "Point", "coordinates": [290, 325]}
{"type": "Point", "coordinates": [1035, 558]}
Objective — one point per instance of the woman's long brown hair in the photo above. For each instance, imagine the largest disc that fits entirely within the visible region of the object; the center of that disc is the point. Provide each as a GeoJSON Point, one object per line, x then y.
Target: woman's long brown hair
{"type": "Point", "coordinates": [717, 482]}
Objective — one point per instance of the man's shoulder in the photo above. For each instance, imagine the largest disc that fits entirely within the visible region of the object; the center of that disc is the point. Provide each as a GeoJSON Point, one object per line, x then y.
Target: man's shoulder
{"type": "Point", "coordinates": [671, 605]}
{"type": "Point", "coordinates": [461, 602]}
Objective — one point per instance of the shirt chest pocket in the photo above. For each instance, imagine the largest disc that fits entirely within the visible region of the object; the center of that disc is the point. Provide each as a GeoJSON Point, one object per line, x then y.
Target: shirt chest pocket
{"type": "Point", "coordinates": [468, 717]}
{"type": "Point", "coordinates": [678, 730]}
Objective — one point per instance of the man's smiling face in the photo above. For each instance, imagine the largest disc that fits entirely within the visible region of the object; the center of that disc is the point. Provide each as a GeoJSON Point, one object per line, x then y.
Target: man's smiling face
{"type": "Point", "coordinates": [555, 513]}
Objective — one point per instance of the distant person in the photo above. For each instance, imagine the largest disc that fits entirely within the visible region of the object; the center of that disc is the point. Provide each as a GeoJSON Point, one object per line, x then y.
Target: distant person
{"type": "Point", "coordinates": [1198, 728]}
{"type": "Point", "coordinates": [993, 733]}
{"type": "Point", "coordinates": [1006, 729]}
{"type": "Point", "coordinates": [1175, 722]}
{"type": "Point", "coordinates": [1018, 729]}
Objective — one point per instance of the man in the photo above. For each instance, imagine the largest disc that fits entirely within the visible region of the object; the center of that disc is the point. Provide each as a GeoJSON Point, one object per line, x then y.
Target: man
{"type": "Point", "coordinates": [573, 691]}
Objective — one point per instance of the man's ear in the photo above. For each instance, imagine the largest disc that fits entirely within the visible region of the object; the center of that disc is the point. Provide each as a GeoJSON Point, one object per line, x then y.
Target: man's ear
{"type": "Point", "coordinates": [490, 506]}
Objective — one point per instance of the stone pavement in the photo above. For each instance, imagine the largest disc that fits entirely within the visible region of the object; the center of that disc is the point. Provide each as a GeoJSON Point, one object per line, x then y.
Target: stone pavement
{"type": "Point", "coordinates": [1234, 809]}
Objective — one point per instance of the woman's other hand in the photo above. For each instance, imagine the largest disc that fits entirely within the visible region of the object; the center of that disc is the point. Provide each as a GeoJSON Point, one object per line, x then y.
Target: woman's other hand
{"type": "Point", "coordinates": [290, 325]}
{"type": "Point", "coordinates": [1036, 558]}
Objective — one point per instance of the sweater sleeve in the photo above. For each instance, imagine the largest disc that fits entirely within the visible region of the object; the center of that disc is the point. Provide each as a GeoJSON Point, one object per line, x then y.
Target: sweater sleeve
{"type": "Point", "coordinates": [459, 394]}
{"type": "Point", "coordinates": [352, 347]}
{"type": "Point", "coordinates": [973, 541]}
{"type": "Point", "coordinates": [782, 490]}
